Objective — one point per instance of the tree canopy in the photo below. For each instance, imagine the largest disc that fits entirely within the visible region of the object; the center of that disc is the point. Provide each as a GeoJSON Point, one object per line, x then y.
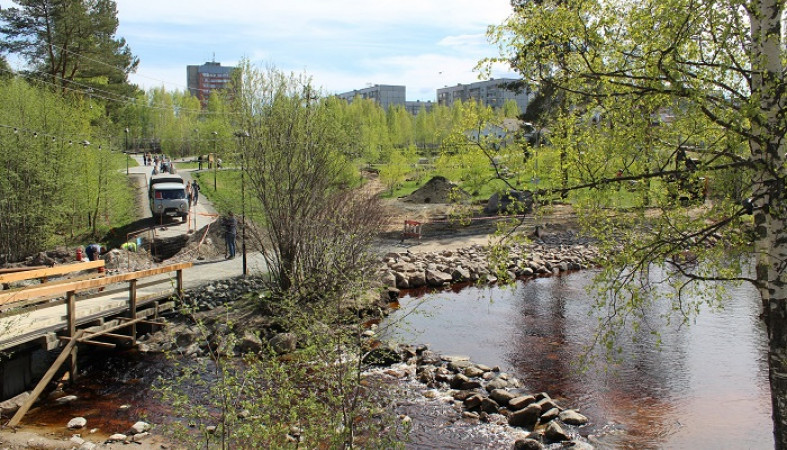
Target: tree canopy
{"type": "Point", "coordinates": [670, 100]}
{"type": "Point", "coordinates": [70, 43]}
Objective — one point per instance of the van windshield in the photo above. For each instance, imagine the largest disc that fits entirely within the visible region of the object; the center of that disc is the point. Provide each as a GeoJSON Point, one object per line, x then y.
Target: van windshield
{"type": "Point", "coordinates": [173, 194]}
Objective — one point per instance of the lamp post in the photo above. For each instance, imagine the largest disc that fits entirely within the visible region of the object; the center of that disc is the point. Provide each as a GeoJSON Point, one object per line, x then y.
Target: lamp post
{"type": "Point", "coordinates": [242, 135]}
{"type": "Point", "coordinates": [215, 134]}
{"type": "Point", "coordinates": [125, 132]}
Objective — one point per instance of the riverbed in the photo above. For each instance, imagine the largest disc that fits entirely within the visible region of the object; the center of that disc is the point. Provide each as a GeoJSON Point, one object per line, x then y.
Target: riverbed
{"type": "Point", "coordinates": [705, 385]}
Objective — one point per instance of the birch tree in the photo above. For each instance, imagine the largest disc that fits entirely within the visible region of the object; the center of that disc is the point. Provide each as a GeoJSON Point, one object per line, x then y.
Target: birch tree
{"type": "Point", "coordinates": [666, 97]}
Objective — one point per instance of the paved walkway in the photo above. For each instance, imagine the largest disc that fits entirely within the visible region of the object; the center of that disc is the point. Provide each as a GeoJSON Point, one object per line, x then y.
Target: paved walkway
{"type": "Point", "coordinates": [46, 321]}
{"type": "Point", "coordinates": [203, 272]}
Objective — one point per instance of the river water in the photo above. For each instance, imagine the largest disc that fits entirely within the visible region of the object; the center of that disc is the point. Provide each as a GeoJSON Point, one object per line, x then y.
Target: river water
{"type": "Point", "coordinates": [705, 386]}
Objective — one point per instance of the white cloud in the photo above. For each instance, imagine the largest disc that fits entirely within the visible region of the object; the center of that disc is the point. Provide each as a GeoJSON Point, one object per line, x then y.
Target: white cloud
{"type": "Point", "coordinates": [344, 44]}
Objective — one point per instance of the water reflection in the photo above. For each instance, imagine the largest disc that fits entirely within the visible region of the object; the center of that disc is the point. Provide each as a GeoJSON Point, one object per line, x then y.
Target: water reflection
{"type": "Point", "coordinates": [704, 386]}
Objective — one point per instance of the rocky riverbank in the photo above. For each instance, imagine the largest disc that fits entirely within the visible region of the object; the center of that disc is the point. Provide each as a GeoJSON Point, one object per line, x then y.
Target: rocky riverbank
{"type": "Point", "coordinates": [550, 254]}
{"type": "Point", "coordinates": [482, 395]}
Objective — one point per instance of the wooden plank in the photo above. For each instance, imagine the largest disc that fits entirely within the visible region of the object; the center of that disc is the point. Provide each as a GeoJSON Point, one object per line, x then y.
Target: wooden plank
{"type": "Point", "coordinates": [87, 341]}
{"type": "Point", "coordinates": [20, 269]}
{"type": "Point", "coordinates": [113, 328]}
{"type": "Point", "coordinates": [89, 276]}
{"type": "Point", "coordinates": [116, 336]}
{"type": "Point", "coordinates": [38, 291]}
{"type": "Point", "coordinates": [45, 380]}
{"type": "Point", "coordinates": [51, 271]}
{"type": "Point", "coordinates": [97, 344]}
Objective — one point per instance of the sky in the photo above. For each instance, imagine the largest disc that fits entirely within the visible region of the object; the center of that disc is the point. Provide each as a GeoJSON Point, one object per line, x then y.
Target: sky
{"type": "Point", "coordinates": [343, 44]}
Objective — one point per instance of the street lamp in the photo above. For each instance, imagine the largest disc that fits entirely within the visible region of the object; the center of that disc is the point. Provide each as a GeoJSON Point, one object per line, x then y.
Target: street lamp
{"type": "Point", "coordinates": [242, 135]}
{"type": "Point", "coordinates": [126, 148]}
{"type": "Point", "coordinates": [215, 134]}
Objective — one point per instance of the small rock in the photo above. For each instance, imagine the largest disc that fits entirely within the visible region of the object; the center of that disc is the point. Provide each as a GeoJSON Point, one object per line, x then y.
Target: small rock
{"type": "Point", "coordinates": [473, 372]}
{"type": "Point", "coordinates": [139, 436]}
{"type": "Point", "coordinates": [77, 422]}
{"type": "Point", "coordinates": [497, 383]}
{"type": "Point", "coordinates": [521, 402]}
{"type": "Point", "coordinates": [572, 417]}
{"type": "Point", "coordinates": [140, 427]}
{"type": "Point", "coordinates": [66, 399]}
{"type": "Point", "coordinates": [549, 415]}
{"type": "Point", "coordinates": [473, 402]}
{"type": "Point", "coordinates": [117, 437]}
{"type": "Point", "coordinates": [76, 439]}
{"type": "Point", "coordinates": [489, 406]}
{"type": "Point", "coordinates": [502, 396]}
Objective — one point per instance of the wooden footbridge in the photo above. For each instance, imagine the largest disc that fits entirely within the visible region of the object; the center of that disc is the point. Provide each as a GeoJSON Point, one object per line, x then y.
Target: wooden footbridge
{"type": "Point", "coordinates": [89, 308]}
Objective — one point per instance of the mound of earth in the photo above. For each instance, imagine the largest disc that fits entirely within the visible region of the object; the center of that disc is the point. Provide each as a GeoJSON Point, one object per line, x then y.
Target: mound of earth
{"type": "Point", "coordinates": [207, 243]}
{"type": "Point", "coordinates": [438, 190]}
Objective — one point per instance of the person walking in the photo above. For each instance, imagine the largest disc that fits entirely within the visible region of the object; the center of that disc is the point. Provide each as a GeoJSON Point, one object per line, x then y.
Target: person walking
{"type": "Point", "coordinates": [194, 191]}
{"type": "Point", "coordinates": [189, 195]}
{"type": "Point", "coordinates": [230, 232]}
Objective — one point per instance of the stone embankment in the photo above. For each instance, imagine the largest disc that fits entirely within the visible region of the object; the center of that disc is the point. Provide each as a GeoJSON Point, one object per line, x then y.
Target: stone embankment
{"type": "Point", "coordinates": [547, 255]}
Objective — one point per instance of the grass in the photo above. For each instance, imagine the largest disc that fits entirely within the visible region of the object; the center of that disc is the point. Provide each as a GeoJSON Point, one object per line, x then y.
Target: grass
{"type": "Point", "coordinates": [227, 194]}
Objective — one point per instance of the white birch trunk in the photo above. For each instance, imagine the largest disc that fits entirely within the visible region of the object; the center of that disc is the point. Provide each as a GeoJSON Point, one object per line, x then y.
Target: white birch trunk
{"type": "Point", "coordinates": [769, 190]}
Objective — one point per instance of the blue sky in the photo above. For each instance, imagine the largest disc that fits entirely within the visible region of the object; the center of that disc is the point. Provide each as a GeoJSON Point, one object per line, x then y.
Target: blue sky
{"type": "Point", "coordinates": [342, 44]}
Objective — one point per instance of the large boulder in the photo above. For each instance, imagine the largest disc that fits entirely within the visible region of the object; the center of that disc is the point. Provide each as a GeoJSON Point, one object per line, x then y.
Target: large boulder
{"type": "Point", "coordinates": [436, 278]}
{"type": "Point", "coordinates": [10, 406]}
{"type": "Point", "coordinates": [525, 418]}
{"type": "Point", "coordinates": [384, 355]}
{"type": "Point", "coordinates": [283, 343]}
{"type": "Point", "coordinates": [250, 343]}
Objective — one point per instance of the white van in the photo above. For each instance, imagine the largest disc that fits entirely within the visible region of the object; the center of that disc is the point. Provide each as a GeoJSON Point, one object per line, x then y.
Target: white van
{"type": "Point", "coordinates": [168, 198]}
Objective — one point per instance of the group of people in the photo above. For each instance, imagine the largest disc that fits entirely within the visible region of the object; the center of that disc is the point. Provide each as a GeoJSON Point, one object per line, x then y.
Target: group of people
{"type": "Point", "coordinates": [160, 163]}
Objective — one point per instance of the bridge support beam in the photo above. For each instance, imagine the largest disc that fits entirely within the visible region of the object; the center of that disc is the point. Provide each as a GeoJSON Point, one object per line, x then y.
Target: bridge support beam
{"type": "Point", "coordinates": [67, 351]}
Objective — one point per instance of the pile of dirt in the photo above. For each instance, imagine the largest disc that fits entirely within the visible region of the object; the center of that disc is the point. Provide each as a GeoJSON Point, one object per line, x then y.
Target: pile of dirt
{"type": "Point", "coordinates": [438, 190]}
{"type": "Point", "coordinates": [207, 243]}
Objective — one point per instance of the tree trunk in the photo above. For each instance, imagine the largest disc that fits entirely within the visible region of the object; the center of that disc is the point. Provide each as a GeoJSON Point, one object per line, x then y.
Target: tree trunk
{"type": "Point", "coordinates": [777, 360]}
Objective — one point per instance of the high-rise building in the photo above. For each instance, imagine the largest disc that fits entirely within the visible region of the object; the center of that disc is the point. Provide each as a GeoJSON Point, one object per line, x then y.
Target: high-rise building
{"type": "Point", "coordinates": [414, 107]}
{"type": "Point", "coordinates": [202, 80]}
{"type": "Point", "coordinates": [384, 94]}
{"type": "Point", "coordinates": [494, 92]}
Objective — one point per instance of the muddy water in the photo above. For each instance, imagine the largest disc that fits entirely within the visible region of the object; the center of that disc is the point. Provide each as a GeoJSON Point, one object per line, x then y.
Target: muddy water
{"type": "Point", "coordinates": [705, 386]}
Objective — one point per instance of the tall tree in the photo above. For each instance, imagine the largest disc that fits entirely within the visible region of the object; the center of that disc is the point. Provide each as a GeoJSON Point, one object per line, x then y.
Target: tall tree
{"type": "Point", "coordinates": [316, 232]}
{"type": "Point", "coordinates": [667, 95]}
{"type": "Point", "coordinates": [70, 42]}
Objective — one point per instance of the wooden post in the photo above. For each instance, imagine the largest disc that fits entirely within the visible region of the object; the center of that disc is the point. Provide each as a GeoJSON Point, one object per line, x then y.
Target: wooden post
{"type": "Point", "coordinates": [71, 310]}
{"type": "Point", "coordinates": [132, 300]}
{"type": "Point", "coordinates": [180, 283]}
{"type": "Point", "coordinates": [45, 380]}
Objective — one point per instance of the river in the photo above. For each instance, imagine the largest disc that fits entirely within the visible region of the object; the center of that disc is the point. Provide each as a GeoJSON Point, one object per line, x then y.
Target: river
{"type": "Point", "coordinates": [704, 386]}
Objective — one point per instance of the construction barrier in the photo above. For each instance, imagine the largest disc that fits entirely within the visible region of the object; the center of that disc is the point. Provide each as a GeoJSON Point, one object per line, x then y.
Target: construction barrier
{"type": "Point", "coordinates": [411, 229]}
